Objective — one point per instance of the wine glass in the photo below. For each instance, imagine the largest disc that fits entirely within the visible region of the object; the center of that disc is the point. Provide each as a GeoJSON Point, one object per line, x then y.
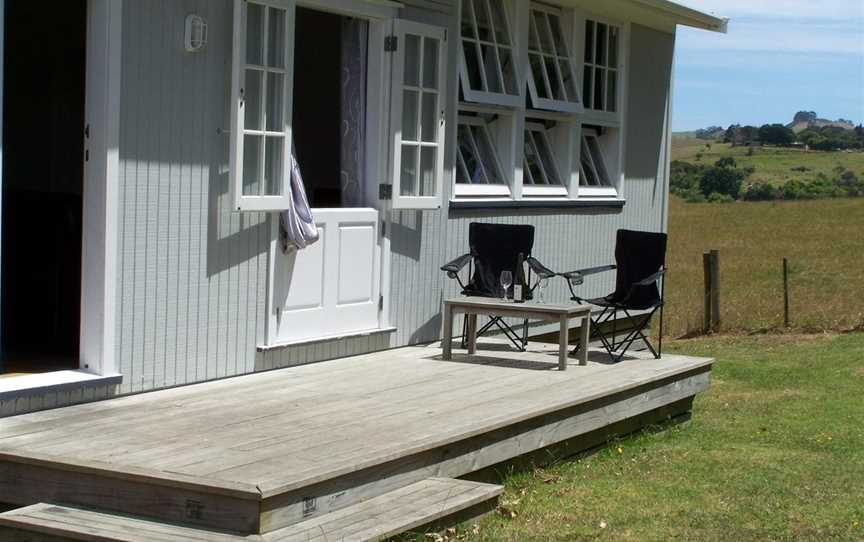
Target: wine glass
{"type": "Point", "coordinates": [506, 281]}
{"type": "Point", "coordinates": [541, 285]}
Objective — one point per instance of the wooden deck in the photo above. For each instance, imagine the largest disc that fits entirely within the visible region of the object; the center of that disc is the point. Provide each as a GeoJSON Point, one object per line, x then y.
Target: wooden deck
{"type": "Point", "coordinates": [257, 453]}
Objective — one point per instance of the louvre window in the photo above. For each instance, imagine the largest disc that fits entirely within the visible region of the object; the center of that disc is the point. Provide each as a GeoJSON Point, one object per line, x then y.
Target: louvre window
{"type": "Point", "coordinates": [488, 69]}
{"type": "Point", "coordinates": [600, 79]}
{"type": "Point", "coordinates": [552, 81]}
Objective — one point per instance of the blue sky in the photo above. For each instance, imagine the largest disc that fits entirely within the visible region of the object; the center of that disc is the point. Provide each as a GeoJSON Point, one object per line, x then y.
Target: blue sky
{"type": "Point", "coordinates": [779, 57]}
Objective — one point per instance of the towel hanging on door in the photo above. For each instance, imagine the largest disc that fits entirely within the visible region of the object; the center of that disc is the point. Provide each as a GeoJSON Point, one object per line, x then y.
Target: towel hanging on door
{"type": "Point", "coordinates": [297, 228]}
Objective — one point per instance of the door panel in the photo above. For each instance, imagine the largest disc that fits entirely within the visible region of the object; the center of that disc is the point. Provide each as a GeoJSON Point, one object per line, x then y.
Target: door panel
{"type": "Point", "coordinates": [332, 286]}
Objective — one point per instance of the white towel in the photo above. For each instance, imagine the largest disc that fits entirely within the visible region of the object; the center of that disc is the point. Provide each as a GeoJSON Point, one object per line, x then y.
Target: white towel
{"type": "Point", "coordinates": [297, 228]}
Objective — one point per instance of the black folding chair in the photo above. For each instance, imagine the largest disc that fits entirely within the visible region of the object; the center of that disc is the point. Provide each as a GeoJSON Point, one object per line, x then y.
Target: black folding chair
{"type": "Point", "coordinates": [496, 248]}
{"type": "Point", "coordinates": [640, 264]}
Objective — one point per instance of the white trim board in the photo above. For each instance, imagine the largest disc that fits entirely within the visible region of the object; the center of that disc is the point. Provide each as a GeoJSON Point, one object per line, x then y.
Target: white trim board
{"type": "Point", "coordinates": [34, 384]}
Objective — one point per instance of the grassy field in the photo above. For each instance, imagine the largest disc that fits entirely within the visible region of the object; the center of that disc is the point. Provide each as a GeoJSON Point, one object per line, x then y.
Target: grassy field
{"type": "Point", "coordinates": [822, 239]}
{"type": "Point", "coordinates": [775, 451]}
{"type": "Point", "coordinates": [773, 165]}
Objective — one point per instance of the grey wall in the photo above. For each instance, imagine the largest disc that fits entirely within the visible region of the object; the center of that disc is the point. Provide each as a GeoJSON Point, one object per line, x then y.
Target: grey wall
{"type": "Point", "coordinates": [192, 274]}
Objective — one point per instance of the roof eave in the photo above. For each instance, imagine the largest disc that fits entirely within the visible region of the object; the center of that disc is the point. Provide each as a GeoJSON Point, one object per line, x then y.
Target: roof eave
{"type": "Point", "coordinates": [688, 16]}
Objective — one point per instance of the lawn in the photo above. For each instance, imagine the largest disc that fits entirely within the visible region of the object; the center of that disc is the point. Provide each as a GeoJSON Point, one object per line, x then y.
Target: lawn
{"type": "Point", "coordinates": [775, 451]}
{"type": "Point", "coordinates": [772, 164]}
{"type": "Point", "coordinates": [822, 239]}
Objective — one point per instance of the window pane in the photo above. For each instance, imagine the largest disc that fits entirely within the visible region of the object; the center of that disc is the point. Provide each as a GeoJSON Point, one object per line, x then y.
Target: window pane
{"type": "Point", "coordinates": [599, 94]}
{"type": "Point", "coordinates": [255, 34]}
{"type": "Point", "coordinates": [487, 155]}
{"type": "Point", "coordinates": [467, 167]}
{"type": "Point", "coordinates": [508, 69]}
{"type": "Point", "coordinates": [533, 41]}
{"type": "Point", "coordinates": [611, 90]}
{"type": "Point", "coordinates": [430, 63]}
{"type": "Point", "coordinates": [537, 72]}
{"type": "Point", "coordinates": [275, 102]}
{"type": "Point", "coordinates": [273, 155]}
{"type": "Point", "coordinates": [552, 71]}
{"type": "Point", "coordinates": [613, 46]}
{"type": "Point", "coordinates": [276, 38]}
{"type": "Point", "coordinates": [468, 20]}
{"type": "Point", "coordinates": [408, 174]}
{"type": "Point", "coordinates": [588, 86]}
{"type": "Point", "coordinates": [427, 170]}
{"type": "Point", "coordinates": [251, 162]}
{"type": "Point", "coordinates": [472, 64]}
{"type": "Point", "coordinates": [589, 41]}
{"type": "Point", "coordinates": [601, 44]}
{"type": "Point", "coordinates": [412, 61]}
{"type": "Point", "coordinates": [532, 160]}
{"type": "Point", "coordinates": [543, 32]}
{"type": "Point", "coordinates": [499, 20]}
{"type": "Point", "coordinates": [410, 105]}
{"type": "Point", "coordinates": [599, 161]}
{"type": "Point", "coordinates": [569, 83]}
{"type": "Point", "coordinates": [490, 63]}
{"type": "Point", "coordinates": [484, 29]}
{"type": "Point", "coordinates": [587, 176]}
{"type": "Point", "coordinates": [547, 158]}
{"type": "Point", "coordinates": [557, 36]}
{"type": "Point", "coordinates": [252, 100]}
{"type": "Point", "coordinates": [429, 120]}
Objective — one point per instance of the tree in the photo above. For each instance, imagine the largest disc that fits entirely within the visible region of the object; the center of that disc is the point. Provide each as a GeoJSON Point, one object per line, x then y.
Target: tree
{"type": "Point", "coordinates": [776, 134]}
{"type": "Point", "coordinates": [723, 178]}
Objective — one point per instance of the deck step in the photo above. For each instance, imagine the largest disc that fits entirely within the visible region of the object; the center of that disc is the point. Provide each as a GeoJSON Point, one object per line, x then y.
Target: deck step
{"type": "Point", "coordinates": [438, 501]}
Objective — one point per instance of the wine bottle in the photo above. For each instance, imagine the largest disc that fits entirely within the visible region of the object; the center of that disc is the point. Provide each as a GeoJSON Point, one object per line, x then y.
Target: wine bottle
{"type": "Point", "coordinates": [518, 287]}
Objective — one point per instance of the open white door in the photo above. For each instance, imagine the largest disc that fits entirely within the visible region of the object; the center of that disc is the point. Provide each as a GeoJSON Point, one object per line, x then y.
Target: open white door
{"type": "Point", "coordinates": [331, 287]}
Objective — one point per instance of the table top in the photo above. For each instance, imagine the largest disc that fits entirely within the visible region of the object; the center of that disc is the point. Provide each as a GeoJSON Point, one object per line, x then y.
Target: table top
{"type": "Point", "coordinates": [493, 303]}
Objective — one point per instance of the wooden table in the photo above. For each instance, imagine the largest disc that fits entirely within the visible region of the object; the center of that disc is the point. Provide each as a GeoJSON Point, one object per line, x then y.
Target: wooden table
{"type": "Point", "coordinates": [472, 306]}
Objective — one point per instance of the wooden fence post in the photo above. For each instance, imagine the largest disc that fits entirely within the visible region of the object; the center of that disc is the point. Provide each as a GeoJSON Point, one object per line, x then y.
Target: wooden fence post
{"type": "Point", "coordinates": [715, 291]}
{"type": "Point", "coordinates": [711, 271]}
{"type": "Point", "coordinates": [785, 292]}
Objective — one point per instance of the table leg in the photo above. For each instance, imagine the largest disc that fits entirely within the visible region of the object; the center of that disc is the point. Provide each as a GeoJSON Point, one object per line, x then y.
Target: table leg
{"type": "Point", "coordinates": [447, 332]}
{"type": "Point", "coordinates": [584, 337]}
{"type": "Point", "coordinates": [562, 344]}
{"type": "Point", "coordinates": [472, 333]}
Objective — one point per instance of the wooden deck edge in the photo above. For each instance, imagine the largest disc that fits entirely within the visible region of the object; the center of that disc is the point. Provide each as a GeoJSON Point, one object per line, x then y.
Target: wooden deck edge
{"type": "Point", "coordinates": [457, 459]}
{"type": "Point", "coordinates": [135, 474]}
{"type": "Point", "coordinates": [703, 365]}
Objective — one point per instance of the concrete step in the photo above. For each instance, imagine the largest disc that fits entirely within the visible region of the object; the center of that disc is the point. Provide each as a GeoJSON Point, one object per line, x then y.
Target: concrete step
{"type": "Point", "coordinates": [433, 501]}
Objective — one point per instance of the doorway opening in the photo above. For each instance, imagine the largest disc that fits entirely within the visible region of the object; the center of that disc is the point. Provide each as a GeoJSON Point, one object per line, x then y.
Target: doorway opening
{"type": "Point", "coordinates": [328, 119]}
{"type": "Point", "coordinates": [42, 185]}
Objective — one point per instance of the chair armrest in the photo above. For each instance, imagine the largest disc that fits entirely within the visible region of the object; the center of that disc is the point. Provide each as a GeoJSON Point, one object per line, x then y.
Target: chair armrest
{"type": "Point", "coordinates": [456, 265]}
{"type": "Point", "coordinates": [652, 279]}
{"type": "Point", "coordinates": [539, 269]}
{"type": "Point", "coordinates": [588, 271]}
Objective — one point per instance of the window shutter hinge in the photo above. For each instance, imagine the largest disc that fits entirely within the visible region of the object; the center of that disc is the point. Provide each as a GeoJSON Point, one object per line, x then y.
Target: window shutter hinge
{"type": "Point", "coordinates": [390, 44]}
{"type": "Point", "coordinates": [383, 229]}
{"type": "Point", "coordinates": [380, 302]}
{"type": "Point", "coordinates": [385, 191]}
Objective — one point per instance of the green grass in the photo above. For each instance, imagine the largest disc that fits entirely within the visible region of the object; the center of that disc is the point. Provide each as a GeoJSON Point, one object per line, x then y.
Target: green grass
{"type": "Point", "coordinates": [775, 451]}
{"type": "Point", "coordinates": [821, 238]}
{"type": "Point", "coordinates": [773, 165]}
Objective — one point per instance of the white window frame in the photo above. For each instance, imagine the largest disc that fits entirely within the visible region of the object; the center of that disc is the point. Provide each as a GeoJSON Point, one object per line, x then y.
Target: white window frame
{"type": "Point", "coordinates": [608, 179]}
{"type": "Point", "coordinates": [485, 96]}
{"type": "Point", "coordinates": [282, 198]}
{"type": "Point", "coordinates": [573, 105]}
{"type": "Point", "coordinates": [401, 28]}
{"type": "Point", "coordinates": [602, 116]}
{"type": "Point", "coordinates": [481, 190]}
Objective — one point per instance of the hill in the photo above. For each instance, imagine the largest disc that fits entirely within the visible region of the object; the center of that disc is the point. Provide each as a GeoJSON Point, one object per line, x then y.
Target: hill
{"type": "Point", "coordinates": [805, 120]}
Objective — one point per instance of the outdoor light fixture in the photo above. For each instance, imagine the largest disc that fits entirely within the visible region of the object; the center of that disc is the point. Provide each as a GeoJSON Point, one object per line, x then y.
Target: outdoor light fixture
{"type": "Point", "coordinates": [196, 33]}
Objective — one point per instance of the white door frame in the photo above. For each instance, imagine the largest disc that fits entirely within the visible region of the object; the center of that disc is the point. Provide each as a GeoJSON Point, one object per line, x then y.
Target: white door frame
{"type": "Point", "coordinates": [379, 17]}
{"type": "Point", "coordinates": [2, 41]}
{"type": "Point", "coordinates": [101, 180]}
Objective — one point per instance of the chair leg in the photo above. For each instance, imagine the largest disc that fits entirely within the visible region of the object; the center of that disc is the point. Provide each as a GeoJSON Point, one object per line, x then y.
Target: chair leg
{"type": "Point", "coordinates": [631, 337]}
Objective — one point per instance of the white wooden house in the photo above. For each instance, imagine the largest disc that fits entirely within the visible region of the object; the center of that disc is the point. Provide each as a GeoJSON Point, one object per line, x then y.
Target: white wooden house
{"type": "Point", "coordinates": [144, 162]}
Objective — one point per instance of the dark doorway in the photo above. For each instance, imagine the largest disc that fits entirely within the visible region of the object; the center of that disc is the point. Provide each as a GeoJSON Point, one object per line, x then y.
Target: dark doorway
{"type": "Point", "coordinates": [43, 125]}
{"type": "Point", "coordinates": [316, 114]}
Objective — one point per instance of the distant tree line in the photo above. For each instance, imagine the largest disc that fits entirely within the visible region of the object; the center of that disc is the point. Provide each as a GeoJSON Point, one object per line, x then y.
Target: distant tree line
{"type": "Point", "coordinates": [725, 182]}
{"type": "Point", "coordinates": [826, 138]}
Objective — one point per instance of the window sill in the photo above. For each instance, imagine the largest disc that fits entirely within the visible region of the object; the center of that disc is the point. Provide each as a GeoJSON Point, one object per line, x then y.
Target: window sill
{"type": "Point", "coordinates": [34, 384]}
{"type": "Point", "coordinates": [546, 203]}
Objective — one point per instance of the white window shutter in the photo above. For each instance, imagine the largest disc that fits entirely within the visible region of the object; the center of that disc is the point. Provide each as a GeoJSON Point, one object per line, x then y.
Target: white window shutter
{"type": "Point", "coordinates": [418, 96]}
{"type": "Point", "coordinates": [261, 102]}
